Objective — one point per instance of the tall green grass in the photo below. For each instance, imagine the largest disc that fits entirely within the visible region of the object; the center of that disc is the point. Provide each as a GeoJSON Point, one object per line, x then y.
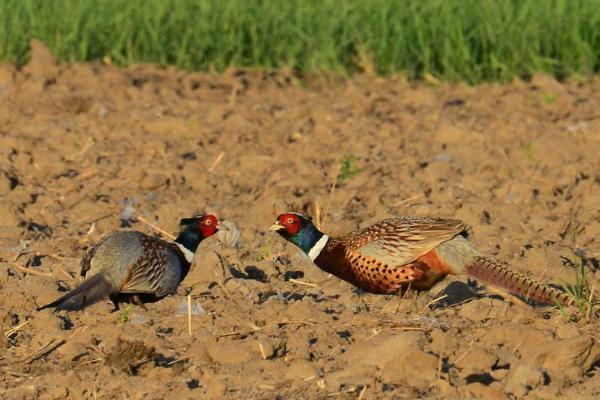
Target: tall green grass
{"type": "Point", "coordinates": [470, 40]}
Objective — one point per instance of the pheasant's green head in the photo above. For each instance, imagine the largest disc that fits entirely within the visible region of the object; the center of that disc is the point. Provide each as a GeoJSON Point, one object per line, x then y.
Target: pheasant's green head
{"type": "Point", "coordinates": [298, 229]}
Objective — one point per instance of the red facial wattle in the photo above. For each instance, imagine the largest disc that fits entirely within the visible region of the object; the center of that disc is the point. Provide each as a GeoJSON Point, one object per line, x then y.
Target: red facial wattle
{"type": "Point", "coordinates": [208, 225]}
{"type": "Point", "coordinates": [291, 223]}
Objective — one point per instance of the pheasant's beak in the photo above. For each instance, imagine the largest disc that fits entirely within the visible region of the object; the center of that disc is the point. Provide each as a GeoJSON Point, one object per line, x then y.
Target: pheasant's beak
{"type": "Point", "coordinates": [276, 227]}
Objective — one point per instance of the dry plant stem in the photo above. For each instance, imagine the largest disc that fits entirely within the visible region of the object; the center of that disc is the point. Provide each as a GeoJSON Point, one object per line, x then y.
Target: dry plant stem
{"type": "Point", "coordinates": [434, 301]}
{"type": "Point", "coordinates": [86, 220]}
{"type": "Point", "coordinates": [303, 283]}
{"type": "Point", "coordinates": [150, 224]}
{"type": "Point", "coordinates": [51, 346]}
{"type": "Point", "coordinates": [362, 393]}
{"type": "Point", "coordinates": [407, 328]}
{"type": "Point", "coordinates": [189, 309]}
{"type": "Point", "coordinates": [216, 162]}
{"type": "Point", "coordinates": [15, 329]}
{"type": "Point", "coordinates": [262, 351]}
{"type": "Point", "coordinates": [590, 304]}
{"type": "Point", "coordinates": [278, 324]}
{"type": "Point", "coordinates": [408, 199]}
{"type": "Point", "coordinates": [34, 272]}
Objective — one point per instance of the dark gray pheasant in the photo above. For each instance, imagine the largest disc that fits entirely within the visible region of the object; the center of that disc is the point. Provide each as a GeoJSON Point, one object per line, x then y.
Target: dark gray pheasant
{"type": "Point", "coordinates": [132, 267]}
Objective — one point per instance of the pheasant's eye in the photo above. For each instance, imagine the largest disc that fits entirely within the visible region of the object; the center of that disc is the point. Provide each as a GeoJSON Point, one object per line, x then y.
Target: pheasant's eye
{"type": "Point", "coordinates": [208, 222]}
{"type": "Point", "coordinates": [290, 220]}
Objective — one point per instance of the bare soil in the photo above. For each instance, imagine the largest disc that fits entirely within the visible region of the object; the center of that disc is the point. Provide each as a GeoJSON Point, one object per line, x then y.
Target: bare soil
{"type": "Point", "coordinates": [78, 143]}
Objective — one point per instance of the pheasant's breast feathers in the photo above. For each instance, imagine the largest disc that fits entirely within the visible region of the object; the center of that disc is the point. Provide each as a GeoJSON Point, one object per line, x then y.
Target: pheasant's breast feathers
{"type": "Point", "coordinates": [378, 276]}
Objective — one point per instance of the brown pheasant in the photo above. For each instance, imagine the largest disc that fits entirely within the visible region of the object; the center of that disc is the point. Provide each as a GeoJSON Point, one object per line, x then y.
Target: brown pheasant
{"type": "Point", "coordinates": [403, 252]}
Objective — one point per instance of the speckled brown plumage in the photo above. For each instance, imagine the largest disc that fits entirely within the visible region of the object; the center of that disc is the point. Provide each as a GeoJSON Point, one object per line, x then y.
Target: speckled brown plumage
{"type": "Point", "coordinates": [391, 254]}
{"type": "Point", "coordinates": [398, 253]}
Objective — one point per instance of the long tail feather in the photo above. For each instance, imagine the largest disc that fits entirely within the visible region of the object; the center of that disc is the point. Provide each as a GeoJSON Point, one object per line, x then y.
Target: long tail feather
{"type": "Point", "coordinates": [89, 292]}
{"type": "Point", "coordinates": [496, 273]}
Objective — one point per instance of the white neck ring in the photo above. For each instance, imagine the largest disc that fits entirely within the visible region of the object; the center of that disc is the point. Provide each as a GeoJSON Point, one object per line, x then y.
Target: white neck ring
{"type": "Point", "coordinates": [189, 256]}
{"type": "Point", "coordinates": [318, 247]}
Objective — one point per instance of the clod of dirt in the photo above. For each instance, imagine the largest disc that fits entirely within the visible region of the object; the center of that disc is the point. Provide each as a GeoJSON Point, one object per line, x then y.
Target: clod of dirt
{"type": "Point", "coordinates": [42, 66]}
{"type": "Point", "coordinates": [476, 360]}
{"type": "Point", "coordinates": [484, 309]}
{"type": "Point", "coordinates": [401, 369]}
{"type": "Point", "coordinates": [568, 358]}
{"type": "Point", "coordinates": [522, 379]}
{"type": "Point", "coordinates": [383, 348]}
{"type": "Point", "coordinates": [272, 348]}
{"type": "Point", "coordinates": [8, 216]}
{"type": "Point", "coordinates": [233, 353]}
{"type": "Point", "coordinates": [129, 356]}
{"type": "Point", "coordinates": [7, 182]}
{"type": "Point", "coordinates": [301, 369]}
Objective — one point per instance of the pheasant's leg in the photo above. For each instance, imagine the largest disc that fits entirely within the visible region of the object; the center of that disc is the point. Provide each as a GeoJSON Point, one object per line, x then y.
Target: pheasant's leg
{"type": "Point", "coordinates": [138, 302]}
{"type": "Point", "coordinates": [115, 300]}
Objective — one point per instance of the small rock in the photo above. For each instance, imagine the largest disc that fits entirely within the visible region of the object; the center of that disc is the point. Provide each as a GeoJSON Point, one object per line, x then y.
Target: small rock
{"type": "Point", "coordinates": [153, 181]}
{"type": "Point", "coordinates": [296, 137]}
{"type": "Point", "coordinates": [443, 157]}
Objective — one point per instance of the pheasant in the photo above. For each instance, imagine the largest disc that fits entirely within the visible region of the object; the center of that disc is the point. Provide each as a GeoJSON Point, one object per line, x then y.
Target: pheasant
{"type": "Point", "coordinates": [133, 267]}
{"type": "Point", "coordinates": [398, 253]}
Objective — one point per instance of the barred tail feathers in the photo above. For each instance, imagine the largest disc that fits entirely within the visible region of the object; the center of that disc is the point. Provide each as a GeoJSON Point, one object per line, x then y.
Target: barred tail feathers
{"type": "Point", "coordinates": [496, 273]}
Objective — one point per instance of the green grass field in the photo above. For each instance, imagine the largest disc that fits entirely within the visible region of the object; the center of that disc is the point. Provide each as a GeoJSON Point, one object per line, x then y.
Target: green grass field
{"type": "Point", "coordinates": [471, 40]}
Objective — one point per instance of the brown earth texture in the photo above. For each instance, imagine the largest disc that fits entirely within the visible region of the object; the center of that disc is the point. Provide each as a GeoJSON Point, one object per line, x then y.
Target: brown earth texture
{"type": "Point", "coordinates": [86, 149]}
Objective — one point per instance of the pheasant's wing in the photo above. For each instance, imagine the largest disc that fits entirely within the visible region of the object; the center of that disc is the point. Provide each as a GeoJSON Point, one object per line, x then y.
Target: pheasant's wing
{"type": "Point", "coordinates": [156, 271]}
{"type": "Point", "coordinates": [399, 241]}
